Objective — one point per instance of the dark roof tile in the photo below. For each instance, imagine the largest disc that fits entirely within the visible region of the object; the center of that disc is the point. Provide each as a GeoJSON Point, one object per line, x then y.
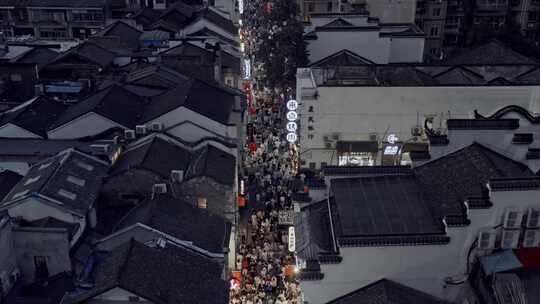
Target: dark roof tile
{"type": "Point", "coordinates": [182, 221]}
{"type": "Point", "coordinates": [387, 292]}
{"type": "Point", "coordinates": [161, 275]}
{"type": "Point", "coordinates": [115, 103]}
{"type": "Point", "coordinates": [155, 154]}
{"type": "Point", "coordinates": [36, 115]}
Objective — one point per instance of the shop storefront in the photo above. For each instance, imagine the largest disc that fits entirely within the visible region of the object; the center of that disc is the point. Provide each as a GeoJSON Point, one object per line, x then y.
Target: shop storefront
{"type": "Point", "coordinates": [357, 153]}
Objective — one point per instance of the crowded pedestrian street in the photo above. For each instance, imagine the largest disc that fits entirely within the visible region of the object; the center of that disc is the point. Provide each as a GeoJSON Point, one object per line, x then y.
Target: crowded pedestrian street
{"type": "Point", "coordinates": [265, 263]}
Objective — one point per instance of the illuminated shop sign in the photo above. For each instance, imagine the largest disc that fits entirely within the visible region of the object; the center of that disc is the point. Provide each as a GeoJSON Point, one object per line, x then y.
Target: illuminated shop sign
{"type": "Point", "coordinates": [247, 69]}
{"type": "Point", "coordinates": [292, 105]}
{"type": "Point", "coordinates": [292, 116]}
{"type": "Point", "coordinates": [292, 137]}
{"type": "Point", "coordinates": [292, 126]}
{"type": "Point", "coordinates": [391, 149]}
{"type": "Point", "coordinates": [292, 239]}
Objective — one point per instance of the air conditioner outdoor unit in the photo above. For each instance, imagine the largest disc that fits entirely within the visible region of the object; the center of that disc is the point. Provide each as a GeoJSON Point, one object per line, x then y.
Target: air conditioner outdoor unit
{"type": "Point", "coordinates": [159, 188]}
{"type": "Point", "coordinates": [141, 129]}
{"type": "Point", "coordinates": [510, 238]}
{"type": "Point", "coordinates": [336, 136]}
{"type": "Point", "coordinates": [177, 175]}
{"type": "Point", "coordinates": [531, 238]}
{"type": "Point", "coordinates": [486, 239]}
{"type": "Point", "coordinates": [129, 134]}
{"type": "Point", "coordinates": [156, 126]}
{"type": "Point", "coordinates": [417, 131]}
{"type": "Point", "coordinates": [533, 218]}
{"type": "Point", "coordinates": [512, 218]}
{"type": "Point", "coordinates": [328, 145]}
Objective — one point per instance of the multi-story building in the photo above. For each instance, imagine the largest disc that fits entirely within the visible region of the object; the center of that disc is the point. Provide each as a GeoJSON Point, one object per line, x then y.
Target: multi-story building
{"type": "Point", "coordinates": [432, 16]}
{"type": "Point", "coordinates": [53, 20]}
{"type": "Point", "coordinates": [453, 23]}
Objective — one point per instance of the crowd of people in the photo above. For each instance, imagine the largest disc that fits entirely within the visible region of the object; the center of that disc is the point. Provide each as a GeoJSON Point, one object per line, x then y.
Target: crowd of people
{"type": "Point", "coordinates": [263, 256]}
{"type": "Point", "coordinates": [264, 261]}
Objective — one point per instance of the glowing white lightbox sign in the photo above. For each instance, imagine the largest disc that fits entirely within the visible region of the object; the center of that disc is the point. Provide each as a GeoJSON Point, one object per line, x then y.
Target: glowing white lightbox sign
{"type": "Point", "coordinates": [292, 105]}
{"type": "Point", "coordinates": [292, 116]}
{"type": "Point", "coordinates": [292, 137]}
{"type": "Point", "coordinates": [292, 126]}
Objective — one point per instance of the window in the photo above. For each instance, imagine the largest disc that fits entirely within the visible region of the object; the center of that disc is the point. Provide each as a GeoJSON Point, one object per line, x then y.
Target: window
{"type": "Point", "coordinates": [15, 77]}
{"type": "Point", "coordinates": [312, 166]}
{"type": "Point", "coordinates": [437, 12]}
{"type": "Point", "coordinates": [310, 128]}
{"type": "Point", "coordinates": [434, 32]}
{"type": "Point", "coordinates": [310, 136]}
{"type": "Point", "coordinates": [329, 7]}
{"type": "Point", "coordinates": [67, 194]}
{"type": "Point", "coordinates": [53, 34]}
{"type": "Point", "coordinates": [202, 203]}
{"type": "Point", "coordinates": [85, 166]}
{"type": "Point", "coordinates": [311, 7]}
{"type": "Point", "coordinates": [75, 180]}
{"type": "Point", "coordinates": [434, 51]}
{"type": "Point", "coordinates": [32, 180]}
{"type": "Point", "coordinates": [310, 119]}
{"type": "Point", "coordinates": [87, 16]}
{"type": "Point", "coordinates": [40, 264]}
{"type": "Point", "coordinates": [323, 164]}
{"type": "Point", "coordinates": [310, 109]}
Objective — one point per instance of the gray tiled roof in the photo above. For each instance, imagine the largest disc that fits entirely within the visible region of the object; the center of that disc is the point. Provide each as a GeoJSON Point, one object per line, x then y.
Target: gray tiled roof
{"type": "Point", "coordinates": [493, 52]}
{"type": "Point", "coordinates": [161, 275]}
{"type": "Point", "coordinates": [34, 147]}
{"type": "Point", "coordinates": [215, 163]}
{"type": "Point", "coordinates": [89, 51]}
{"type": "Point", "coordinates": [53, 174]}
{"type": "Point", "coordinates": [342, 58]}
{"type": "Point", "coordinates": [213, 102]}
{"type": "Point", "coordinates": [155, 154]}
{"type": "Point", "coordinates": [114, 102]}
{"type": "Point", "coordinates": [35, 115]}
{"type": "Point", "coordinates": [124, 32]}
{"type": "Point", "coordinates": [449, 180]}
{"type": "Point", "coordinates": [182, 221]}
{"type": "Point", "coordinates": [387, 292]}
{"type": "Point", "coordinates": [382, 205]}
{"type": "Point", "coordinates": [39, 55]}
{"type": "Point", "coordinates": [312, 228]}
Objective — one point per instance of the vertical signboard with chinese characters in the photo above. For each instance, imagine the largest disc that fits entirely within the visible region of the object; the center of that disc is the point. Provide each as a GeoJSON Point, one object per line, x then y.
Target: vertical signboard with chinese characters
{"type": "Point", "coordinates": [292, 116]}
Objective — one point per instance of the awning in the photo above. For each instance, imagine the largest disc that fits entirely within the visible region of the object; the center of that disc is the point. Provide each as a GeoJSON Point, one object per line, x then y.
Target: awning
{"type": "Point", "coordinates": [357, 146]}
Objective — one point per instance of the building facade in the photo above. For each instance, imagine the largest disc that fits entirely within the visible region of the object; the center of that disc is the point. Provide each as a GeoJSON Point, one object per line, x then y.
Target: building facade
{"type": "Point", "coordinates": [370, 115]}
